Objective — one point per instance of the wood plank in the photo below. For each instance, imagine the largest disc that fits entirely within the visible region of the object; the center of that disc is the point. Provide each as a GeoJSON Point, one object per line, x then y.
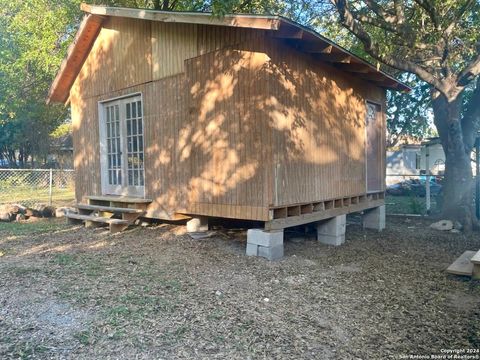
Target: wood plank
{"type": "Point", "coordinates": [278, 224]}
{"type": "Point", "coordinates": [315, 47]}
{"type": "Point", "coordinates": [476, 258]}
{"type": "Point", "coordinates": [334, 57]}
{"type": "Point", "coordinates": [288, 32]}
{"type": "Point", "coordinates": [96, 219]}
{"type": "Point", "coordinates": [109, 209]}
{"type": "Point", "coordinates": [354, 67]}
{"type": "Point", "coordinates": [463, 265]}
{"type": "Point", "coordinates": [119, 199]}
{"type": "Point", "coordinates": [249, 21]}
{"type": "Point", "coordinates": [76, 55]}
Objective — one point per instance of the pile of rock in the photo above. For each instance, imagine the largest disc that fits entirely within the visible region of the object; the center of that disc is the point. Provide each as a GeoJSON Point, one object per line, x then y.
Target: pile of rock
{"type": "Point", "coordinates": [17, 212]}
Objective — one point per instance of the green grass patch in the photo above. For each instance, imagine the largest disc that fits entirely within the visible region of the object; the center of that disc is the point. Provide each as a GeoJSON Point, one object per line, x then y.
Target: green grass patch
{"type": "Point", "coordinates": [32, 228]}
{"type": "Point", "coordinates": [27, 195]}
{"type": "Point", "coordinates": [25, 350]}
{"type": "Point", "coordinates": [64, 259]}
{"type": "Point", "coordinates": [84, 337]}
{"type": "Point", "coordinates": [24, 271]}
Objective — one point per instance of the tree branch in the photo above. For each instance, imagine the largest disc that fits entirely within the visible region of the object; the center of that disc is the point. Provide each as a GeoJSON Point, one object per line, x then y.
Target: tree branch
{"type": "Point", "coordinates": [379, 11]}
{"type": "Point", "coordinates": [471, 120]}
{"type": "Point", "coordinates": [470, 71]}
{"type": "Point", "coordinates": [399, 12]}
{"type": "Point", "coordinates": [430, 10]}
{"type": "Point", "coordinates": [351, 24]}
{"type": "Point", "coordinates": [458, 16]}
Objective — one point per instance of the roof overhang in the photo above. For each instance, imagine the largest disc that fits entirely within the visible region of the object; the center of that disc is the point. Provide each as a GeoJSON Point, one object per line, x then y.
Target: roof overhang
{"type": "Point", "coordinates": [76, 55]}
{"type": "Point", "coordinates": [303, 38]}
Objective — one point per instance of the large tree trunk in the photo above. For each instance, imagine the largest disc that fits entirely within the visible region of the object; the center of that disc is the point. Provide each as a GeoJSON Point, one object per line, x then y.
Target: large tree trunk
{"type": "Point", "coordinates": [458, 184]}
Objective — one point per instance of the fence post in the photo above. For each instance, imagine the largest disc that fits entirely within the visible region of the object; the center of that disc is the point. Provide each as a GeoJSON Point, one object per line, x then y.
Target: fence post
{"type": "Point", "coordinates": [50, 188]}
{"type": "Point", "coordinates": [427, 183]}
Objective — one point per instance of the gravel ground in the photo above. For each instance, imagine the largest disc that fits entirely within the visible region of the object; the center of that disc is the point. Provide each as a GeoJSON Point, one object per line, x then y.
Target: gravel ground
{"type": "Point", "coordinates": [154, 293]}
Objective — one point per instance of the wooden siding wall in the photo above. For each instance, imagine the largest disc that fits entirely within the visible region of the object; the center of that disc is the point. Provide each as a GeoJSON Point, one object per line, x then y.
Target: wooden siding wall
{"type": "Point", "coordinates": [174, 177]}
{"type": "Point", "coordinates": [317, 114]}
{"type": "Point", "coordinates": [226, 132]}
{"type": "Point", "coordinates": [234, 122]}
{"type": "Point", "coordinates": [174, 43]}
{"type": "Point", "coordinates": [121, 57]}
{"type": "Point", "coordinates": [86, 145]}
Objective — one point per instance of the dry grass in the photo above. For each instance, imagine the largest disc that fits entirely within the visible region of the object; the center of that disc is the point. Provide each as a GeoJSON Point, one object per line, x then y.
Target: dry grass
{"type": "Point", "coordinates": [69, 292]}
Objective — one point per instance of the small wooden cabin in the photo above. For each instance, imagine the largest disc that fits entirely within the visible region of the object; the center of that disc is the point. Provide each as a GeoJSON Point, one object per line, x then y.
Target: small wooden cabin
{"type": "Point", "coordinates": [249, 117]}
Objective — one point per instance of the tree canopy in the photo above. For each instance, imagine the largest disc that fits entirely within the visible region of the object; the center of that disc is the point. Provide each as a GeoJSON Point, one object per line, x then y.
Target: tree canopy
{"type": "Point", "coordinates": [34, 36]}
{"type": "Point", "coordinates": [439, 42]}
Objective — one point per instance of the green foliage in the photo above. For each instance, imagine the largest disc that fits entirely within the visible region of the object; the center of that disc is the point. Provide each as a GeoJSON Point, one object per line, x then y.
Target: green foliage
{"type": "Point", "coordinates": [409, 115]}
{"type": "Point", "coordinates": [62, 130]}
{"type": "Point", "coordinates": [34, 36]}
{"type": "Point", "coordinates": [416, 205]}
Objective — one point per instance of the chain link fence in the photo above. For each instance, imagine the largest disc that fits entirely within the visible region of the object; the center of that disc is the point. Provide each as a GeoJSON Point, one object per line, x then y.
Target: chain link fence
{"type": "Point", "coordinates": [31, 187]}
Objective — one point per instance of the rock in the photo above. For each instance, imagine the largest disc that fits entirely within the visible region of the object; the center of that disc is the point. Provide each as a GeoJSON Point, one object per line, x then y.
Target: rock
{"type": "Point", "coordinates": [32, 212]}
{"type": "Point", "coordinates": [8, 212]}
{"type": "Point", "coordinates": [20, 217]}
{"type": "Point", "coordinates": [61, 212]}
{"type": "Point", "coordinates": [48, 211]}
{"type": "Point", "coordinates": [5, 216]}
{"type": "Point", "coordinates": [442, 225]}
{"type": "Point", "coordinates": [17, 208]}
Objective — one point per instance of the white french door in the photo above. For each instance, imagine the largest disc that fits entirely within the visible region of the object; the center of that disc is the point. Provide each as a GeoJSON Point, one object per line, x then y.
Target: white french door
{"type": "Point", "coordinates": [121, 150]}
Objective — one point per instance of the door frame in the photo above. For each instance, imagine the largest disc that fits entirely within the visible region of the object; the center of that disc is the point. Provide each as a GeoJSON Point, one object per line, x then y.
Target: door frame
{"type": "Point", "coordinates": [103, 145]}
{"type": "Point", "coordinates": [382, 144]}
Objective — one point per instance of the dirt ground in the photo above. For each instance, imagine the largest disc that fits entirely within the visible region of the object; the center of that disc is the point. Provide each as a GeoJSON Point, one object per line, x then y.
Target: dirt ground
{"type": "Point", "coordinates": [154, 293]}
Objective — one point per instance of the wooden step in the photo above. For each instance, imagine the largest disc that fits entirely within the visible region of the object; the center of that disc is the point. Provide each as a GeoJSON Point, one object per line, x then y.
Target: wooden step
{"type": "Point", "coordinates": [115, 225]}
{"type": "Point", "coordinates": [119, 199]}
{"type": "Point", "coordinates": [476, 258]}
{"type": "Point", "coordinates": [98, 219]}
{"type": "Point", "coordinates": [463, 265]}
{"type": "Point", "coordinates": [476, 265]}
{"type": "Point", "coordinates": [112, 209]}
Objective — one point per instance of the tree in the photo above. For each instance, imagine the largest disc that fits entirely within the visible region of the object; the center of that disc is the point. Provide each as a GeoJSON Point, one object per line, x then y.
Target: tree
{"type": "Point", "coordinates": [34, 36]}
{"type": "Point", "coordinates": [438, 41]}
{"type": "Point", "coordinates": [408, 113]}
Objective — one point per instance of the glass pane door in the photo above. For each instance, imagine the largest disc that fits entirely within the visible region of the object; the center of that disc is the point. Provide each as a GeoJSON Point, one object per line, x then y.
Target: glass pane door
{"type": "Point", "coordinates": [134, 134]}
{"type": "Point", "coordinates": [121, 147]}
{"type": "Point", "coordinates": [114, 149]}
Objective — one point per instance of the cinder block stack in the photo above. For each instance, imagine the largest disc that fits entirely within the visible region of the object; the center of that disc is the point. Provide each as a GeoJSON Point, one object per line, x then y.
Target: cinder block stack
{"type": "Point", "coordinates": [267, 244]}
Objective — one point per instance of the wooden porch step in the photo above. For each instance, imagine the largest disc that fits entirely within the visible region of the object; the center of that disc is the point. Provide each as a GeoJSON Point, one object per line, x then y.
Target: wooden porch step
{"type": "Point", "coordinates": [119, 199]}
{"type": "Point", "coordinates": [476, 265]}
{"type": "Point", "coordinates": [115, 225]}
{"type": "Point", "coordinates": [112, 209]}
{"type": "Point", "coordinates": [98, 219]}
{"type": "Point", "coordinates": [463, 265]}
{"type": "Point", "coordinates": [476, 258]}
